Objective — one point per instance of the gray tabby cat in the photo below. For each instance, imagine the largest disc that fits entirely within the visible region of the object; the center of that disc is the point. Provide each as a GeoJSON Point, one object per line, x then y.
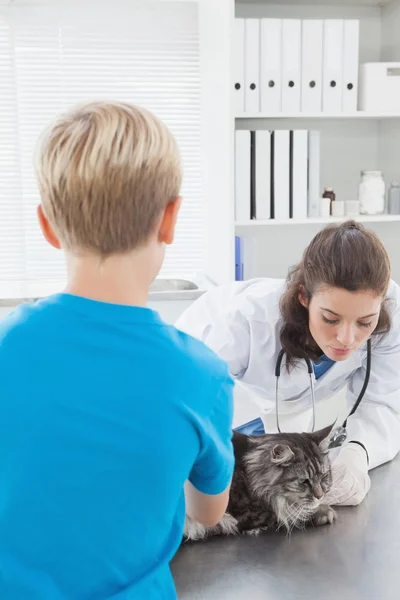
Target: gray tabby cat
{"type": "Point", "coordinates": [279, 481]}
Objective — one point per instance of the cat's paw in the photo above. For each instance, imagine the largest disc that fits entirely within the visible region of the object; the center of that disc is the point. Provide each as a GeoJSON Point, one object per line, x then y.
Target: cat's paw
{"type": "Point", "coordinates": [325, 515]}
{"type": "Point", "coordinates": [255, 531]}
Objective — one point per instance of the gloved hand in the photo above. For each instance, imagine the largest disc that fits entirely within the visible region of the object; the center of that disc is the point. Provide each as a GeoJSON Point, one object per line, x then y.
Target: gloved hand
{"type": "Point", "coordinates": [350, 479]}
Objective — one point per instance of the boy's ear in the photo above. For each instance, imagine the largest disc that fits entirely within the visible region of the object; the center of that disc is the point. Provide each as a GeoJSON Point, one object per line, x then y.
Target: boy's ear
{"type": "Point", "coordinates": [166, 231]}
{"type": "Point", "coordinates": [47, 229]}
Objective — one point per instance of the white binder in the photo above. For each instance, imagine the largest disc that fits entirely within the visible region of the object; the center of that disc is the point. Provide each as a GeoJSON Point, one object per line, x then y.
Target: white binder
{"type": "Point", "coordinates": [311, 66]}
{"type": "Point", "coordinates": [332, 66]}
{"type": "Point", "coordinates": [299, 173]}
{"type": "Point", "coordinates": [263, 174]}
{"type": "Point", "coordinates": [270, 65]}
{"type": "Point", "coordinates": [351, 32]}
{"type": "Point", "coordinates": [252, 65]}
{"type": "Point", "coordinates": [242, 175]}
{"type": "Point", "coordinates": [314, 192]}
{"type": "Point", "coordinates": [238, 67]}
{"type": "Point", "coordinates": [291, 65]}
{"type": "Point", "coordinates": [281, 162]}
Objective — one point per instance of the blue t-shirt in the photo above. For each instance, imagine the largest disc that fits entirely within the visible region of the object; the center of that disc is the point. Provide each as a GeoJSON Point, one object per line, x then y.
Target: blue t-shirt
{"type": "Point", "coordinates": [105, 411]}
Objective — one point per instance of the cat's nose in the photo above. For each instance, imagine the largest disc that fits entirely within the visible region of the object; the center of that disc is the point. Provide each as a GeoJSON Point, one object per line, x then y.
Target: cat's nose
{"type": "Point", "coordinates": [317, 491]}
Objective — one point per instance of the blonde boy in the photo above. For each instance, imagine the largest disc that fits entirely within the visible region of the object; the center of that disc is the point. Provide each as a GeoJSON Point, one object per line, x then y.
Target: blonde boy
{"type": "Point", "coordinates": [105, 411]}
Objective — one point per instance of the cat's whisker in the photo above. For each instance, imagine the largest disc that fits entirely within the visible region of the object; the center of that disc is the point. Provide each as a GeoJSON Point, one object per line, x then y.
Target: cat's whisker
{"type": "Point", "coordinates": [294, 514]}
{"type": "Point", "coordinates": [298, 516]}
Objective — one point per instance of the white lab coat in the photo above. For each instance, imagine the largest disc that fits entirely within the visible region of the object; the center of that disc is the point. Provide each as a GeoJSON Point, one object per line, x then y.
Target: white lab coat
{"type": "Point", "coordinates": [241, 322]}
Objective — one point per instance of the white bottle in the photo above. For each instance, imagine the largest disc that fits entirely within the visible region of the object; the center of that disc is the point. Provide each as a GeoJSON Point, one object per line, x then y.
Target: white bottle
{"type": "Point", "coordinates": [325, 208]}
{"type": "Point", "coordinates": [394, 198]}
{"type": "Point", "coordinates": [371, 193]}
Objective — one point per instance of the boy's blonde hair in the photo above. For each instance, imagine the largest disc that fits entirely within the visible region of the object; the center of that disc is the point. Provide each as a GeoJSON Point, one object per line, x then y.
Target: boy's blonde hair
{"type": "Point", "coordinates": [106, 171]}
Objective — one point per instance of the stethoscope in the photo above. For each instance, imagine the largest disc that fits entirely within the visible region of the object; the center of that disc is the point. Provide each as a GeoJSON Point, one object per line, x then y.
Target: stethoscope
{"type": "Point", "coordinates": [339, 435]}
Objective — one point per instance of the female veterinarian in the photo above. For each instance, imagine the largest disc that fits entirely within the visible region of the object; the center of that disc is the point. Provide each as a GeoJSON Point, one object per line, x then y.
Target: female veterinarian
{"type": "Point", "coordinates": [334, 324]}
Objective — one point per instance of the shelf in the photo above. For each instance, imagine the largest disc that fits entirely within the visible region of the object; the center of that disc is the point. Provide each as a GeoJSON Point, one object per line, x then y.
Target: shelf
{"type": "Point", "coordinates": [319, 221]}
{"type": "Point", "coordinates": [320, 116]}
{"type": "Point", "coordinates": [330, 3]}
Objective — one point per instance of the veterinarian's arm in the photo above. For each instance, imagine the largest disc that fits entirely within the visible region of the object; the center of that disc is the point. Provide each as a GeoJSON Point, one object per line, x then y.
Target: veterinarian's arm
{"type": "Point", "coordinates": [207, 491]}
{"type": "Point", "coordinates": [376, 423]}
{"type": "Point", "coordinates": [229, 338]}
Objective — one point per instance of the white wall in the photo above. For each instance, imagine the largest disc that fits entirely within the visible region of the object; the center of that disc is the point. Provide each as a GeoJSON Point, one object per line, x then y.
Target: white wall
{"type": "Point", "coordinates": [390, 47]}
{"type": "Point", "coordinates": [215, 20]}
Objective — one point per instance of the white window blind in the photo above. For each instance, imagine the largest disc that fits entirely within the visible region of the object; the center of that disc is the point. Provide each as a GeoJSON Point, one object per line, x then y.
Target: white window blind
{"type": "Point", "coordinates": [55, 54]}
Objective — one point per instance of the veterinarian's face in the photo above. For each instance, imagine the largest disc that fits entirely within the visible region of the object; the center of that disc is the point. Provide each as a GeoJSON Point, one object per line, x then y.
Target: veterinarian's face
{"type": "Point", "coordinates": [341, 321]}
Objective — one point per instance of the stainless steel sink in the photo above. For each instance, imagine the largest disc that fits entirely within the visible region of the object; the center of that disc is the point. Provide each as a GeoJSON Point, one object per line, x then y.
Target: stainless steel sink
{"type": "Point", "coordinates": [174, 289]}
{"type": "Point", "coordinates": [172, 285]}
{"type": "Point", "coordinates": [160, 289]}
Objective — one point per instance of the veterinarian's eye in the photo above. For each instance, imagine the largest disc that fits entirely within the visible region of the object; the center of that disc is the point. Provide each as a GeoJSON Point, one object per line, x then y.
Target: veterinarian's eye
{"type": "Point", "coordinates": [367, 325]}
{"type": "Point", "coordinates": [330, 321]}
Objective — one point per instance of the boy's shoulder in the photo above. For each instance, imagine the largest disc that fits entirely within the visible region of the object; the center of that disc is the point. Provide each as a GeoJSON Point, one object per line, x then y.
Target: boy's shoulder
{"type": "Point", "coordinates": [198, 358]}
{"type": "Point", "coordinates": [185, 351]}
{"type": "Point", "coordinates": [22, 320]}
{"type": "Point", "coordinates": [200, 376]}
{"type": "Point", "coordinates": [18, 317]}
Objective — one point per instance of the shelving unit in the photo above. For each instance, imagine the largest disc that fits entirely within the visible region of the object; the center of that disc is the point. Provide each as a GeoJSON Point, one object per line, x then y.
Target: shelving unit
{"type": "Point", "coordinates": [318, 221]}
{"type": "Point", "coordinates": [326, 4]}
{"type": "Point", "coordinates": [349, 142]}
{"type": "Point", "coordinates": [322, 116]}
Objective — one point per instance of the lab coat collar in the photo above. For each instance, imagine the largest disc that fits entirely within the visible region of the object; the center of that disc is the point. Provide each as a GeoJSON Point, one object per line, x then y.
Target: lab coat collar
{"type": "Point", "coordinates": [341, 369]}
{"type": "Point", "coordinates": [296, 384]}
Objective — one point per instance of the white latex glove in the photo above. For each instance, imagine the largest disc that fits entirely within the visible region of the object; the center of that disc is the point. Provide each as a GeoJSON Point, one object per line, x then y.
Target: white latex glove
{"type": "Point", "coordinates": [350, 479]}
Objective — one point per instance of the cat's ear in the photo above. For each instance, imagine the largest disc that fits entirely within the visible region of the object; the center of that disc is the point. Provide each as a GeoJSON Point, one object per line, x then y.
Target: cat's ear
{"type": "Point", "coordinates": [322, 437]}
{"type": "Point", "coordinates": [281, 454]}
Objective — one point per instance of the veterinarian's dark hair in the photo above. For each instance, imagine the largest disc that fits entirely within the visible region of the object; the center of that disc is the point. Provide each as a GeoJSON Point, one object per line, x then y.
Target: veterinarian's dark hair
{"type": "Point", "coordinates": [346, 256]}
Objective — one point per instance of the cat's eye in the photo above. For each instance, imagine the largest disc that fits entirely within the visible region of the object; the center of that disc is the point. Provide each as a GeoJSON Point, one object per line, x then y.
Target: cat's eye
{"type": "Point", "coordinates": [305, 482]}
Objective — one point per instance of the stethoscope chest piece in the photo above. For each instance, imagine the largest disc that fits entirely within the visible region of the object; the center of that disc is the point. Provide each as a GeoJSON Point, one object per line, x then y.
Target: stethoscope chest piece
{"type": "Point", "coordinates": [338, 437]}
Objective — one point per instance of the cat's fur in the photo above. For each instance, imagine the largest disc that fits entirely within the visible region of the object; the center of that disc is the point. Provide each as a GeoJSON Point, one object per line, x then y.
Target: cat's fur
{"type": "Point", "coordinates": [279, 481]}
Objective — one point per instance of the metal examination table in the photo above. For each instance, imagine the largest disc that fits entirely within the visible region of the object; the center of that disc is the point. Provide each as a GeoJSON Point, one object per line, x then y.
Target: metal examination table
{"type": "Point", "coordinates": [356, 558]}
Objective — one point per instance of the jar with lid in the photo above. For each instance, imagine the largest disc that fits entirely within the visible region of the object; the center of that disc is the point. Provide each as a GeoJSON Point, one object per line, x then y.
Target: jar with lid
{"type": "Point", "coordinates": [371, 193]}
